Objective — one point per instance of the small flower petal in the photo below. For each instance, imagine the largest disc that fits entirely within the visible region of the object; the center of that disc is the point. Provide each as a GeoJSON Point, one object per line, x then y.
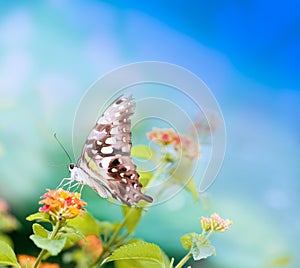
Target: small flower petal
{"type": "Point", "coordinates": [185, 145]}
{"type": "Point", "coordinates": [215, 223]}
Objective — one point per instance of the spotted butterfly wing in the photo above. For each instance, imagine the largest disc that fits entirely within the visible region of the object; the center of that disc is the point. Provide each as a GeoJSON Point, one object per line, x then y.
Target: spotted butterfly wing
{"type": "Point", "coordinates": [105, 163]}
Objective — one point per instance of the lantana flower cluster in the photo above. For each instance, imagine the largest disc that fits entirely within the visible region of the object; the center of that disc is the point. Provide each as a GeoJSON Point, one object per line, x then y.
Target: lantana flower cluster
{"type": "Point", "coordinates": [27, 261]}
{"type": "Point", "coordinates": [215, 223]}
{"type": "Point", "coordinates": [61, 204]}
{"type": "Point", "coordinates": [181, 143]}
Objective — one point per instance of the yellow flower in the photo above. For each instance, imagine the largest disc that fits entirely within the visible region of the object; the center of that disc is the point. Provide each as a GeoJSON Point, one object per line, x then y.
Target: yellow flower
{"type": "Point", "coordinates": [215, 223]}
{"type": "Point", "coordinates": [62, 204]}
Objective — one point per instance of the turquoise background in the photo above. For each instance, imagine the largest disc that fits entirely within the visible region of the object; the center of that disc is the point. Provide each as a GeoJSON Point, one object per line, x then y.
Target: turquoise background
{"type": "Point", "coordinates": [246, 52]}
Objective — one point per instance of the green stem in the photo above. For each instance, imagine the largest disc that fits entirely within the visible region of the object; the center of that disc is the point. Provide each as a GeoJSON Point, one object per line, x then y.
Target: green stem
{"type": "Point", "coordinates": [113, 237]}
{"type": "Point", "coordinates": [209, 234]}
{"type": "Point", "coordinates": [184, 260]}
{"type": "Point", "coordinates": [161, 170]}
{"type": "Point", "coordinates": [44, 251]}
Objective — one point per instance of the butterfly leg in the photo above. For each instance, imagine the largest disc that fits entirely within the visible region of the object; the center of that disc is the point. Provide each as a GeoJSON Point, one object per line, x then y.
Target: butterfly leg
{"type": "Point", "coordinates": [71, 186]}
{"type": "Point", "coordinates": [81, 188]}
{"type": "Point", "coordinates": [63, 183]}
{"type": "Point", "coordinates": [74, 187]}
{"type": "Point", "coordinates": [78, 185]}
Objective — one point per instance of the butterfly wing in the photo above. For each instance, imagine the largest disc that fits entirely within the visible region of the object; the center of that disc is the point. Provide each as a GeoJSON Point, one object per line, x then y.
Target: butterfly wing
{"type": "Point", "coordinates": [106, 157]}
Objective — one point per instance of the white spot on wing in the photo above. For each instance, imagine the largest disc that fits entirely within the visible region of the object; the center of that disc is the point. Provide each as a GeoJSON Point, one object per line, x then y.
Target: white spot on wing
{"type": "Point", "coordinates": [102, 120]}
{"type": "Point", "coordinates": [105, 162]}
{"type": "Point", "coordinates": [114, 131]}
{"type": "Point", "coordinates": [110, 140]}
{"type": "Point", "coordinates": [97, 135]}
{"type": "Point", "coordinates": [107, 150]}
{"type": "Point", "coordinates": [125, 149]}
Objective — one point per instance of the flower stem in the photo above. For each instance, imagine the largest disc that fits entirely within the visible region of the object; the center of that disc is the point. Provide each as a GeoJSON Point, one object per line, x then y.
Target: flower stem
{"type": "Point", "coordinates": [209, 234]}
{"type": "Point", "coordinates": [113, 237]}
{"type": "Point", "coordinates": [184, 260]}
{"type": "Point", "coordinates": [164, 168]}
{"type": "Point", "coordinates": [44, 251]}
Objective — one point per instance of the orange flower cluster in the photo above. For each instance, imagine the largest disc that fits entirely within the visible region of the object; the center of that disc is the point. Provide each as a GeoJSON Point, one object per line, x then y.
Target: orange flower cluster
{"type": "Point", "coordinates": [62, 204]}
{"type": "Point", "coordinates": [92, 246]}
{"type": "Point", "coordinates": [189, 147]}
{"type": "Point", "coordinates": [28, 261]}
{"type": "Point", "coordinates": [164, 136]}
{"type": "Point", "coordinates": [215, 223]}
{"type": "Point", "coordinates": [181, 143]}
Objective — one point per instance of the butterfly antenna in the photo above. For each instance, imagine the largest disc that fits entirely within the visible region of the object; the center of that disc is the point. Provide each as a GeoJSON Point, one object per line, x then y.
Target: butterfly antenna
{"type": "Point", "coordinates": [60, 144]}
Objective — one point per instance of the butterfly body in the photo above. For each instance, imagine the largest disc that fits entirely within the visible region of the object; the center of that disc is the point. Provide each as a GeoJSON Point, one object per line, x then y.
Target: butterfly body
{"type": "Point", "coordinates": [105, 164]}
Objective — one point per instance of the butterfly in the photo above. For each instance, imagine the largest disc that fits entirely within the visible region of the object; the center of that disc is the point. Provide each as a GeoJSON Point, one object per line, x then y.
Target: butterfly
{"type": "Point", "coordinates": [105, 164]}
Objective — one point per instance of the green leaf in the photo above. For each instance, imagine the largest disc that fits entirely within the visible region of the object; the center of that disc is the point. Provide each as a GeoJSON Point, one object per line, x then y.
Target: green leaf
{"type": "Point", "coordinates": [198, 245]}
{"type": "Point", "coordinates": [54, 246]}
{"type": "Point", "coordinates": [187, 241]}
{"type": "Point", "coordinates": [85, 223]}
{"type": "Point", "coordinates": [202, 252]}
{"type": "Point", "coordinates": [201, 248]}
{"type": "Point", "coordinates": [39, 216]}
{"type": "Point", "coordinates": [7, 240]}
{"type": "Point", "coordinates": [72, 239]}
{"type": "Point", "coordinates": [139, 254]}
{"type": "Point", "coordinates": [143, 151]}
{"type": "Point", "coordinates": [192, 188]}
{"type": "Point", "coordinates": [166, 260]}
{"type": "Point", "coordinates": [106, 228]}
{"type": "Point", "coordinates": [137, 263]}
{"type": "Point", "coordinates": [145, 177]}
{"type": "Point", "coordinates": [7, 255]}
{"type": "Point", "coordinates": [132, 217]}
{"type": "Point", "coordinates": [8, 222]}
{"type": "Point", "coordinates": [40, 230]}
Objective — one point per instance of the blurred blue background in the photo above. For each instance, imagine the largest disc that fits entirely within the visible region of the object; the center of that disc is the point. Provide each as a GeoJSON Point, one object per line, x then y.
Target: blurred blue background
{"type": "Point", "coordinates": [247, 52]}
